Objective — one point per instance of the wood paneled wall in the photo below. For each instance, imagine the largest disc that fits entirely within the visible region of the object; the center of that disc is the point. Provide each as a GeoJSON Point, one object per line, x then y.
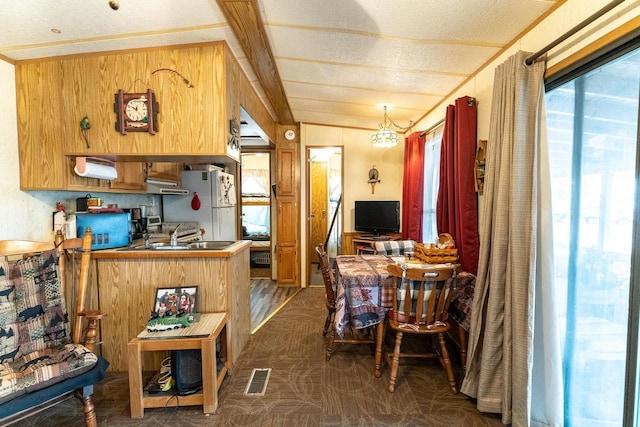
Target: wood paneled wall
{"type": "Point", "coordinates": [54, 95]}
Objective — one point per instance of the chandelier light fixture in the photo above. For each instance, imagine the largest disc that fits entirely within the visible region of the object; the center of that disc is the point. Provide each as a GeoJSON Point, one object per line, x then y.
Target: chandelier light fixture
{"type": "Point", "coordinates": [386, 137]}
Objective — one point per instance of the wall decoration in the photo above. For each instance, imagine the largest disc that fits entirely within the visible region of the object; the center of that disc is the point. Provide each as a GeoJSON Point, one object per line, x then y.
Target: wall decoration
{"type": "Point", "coordinates": [136, 112]}
{"type": "Point", "coordinates": [373, 178]}
{"type": "Point", "coordinates": [478, 171]}
{"type": "Point", "coordinates": [184, 79]}
{"type": "Point", "coordinates": [84, 127]}
{"type": "Point", "coordinates": [234, 135]}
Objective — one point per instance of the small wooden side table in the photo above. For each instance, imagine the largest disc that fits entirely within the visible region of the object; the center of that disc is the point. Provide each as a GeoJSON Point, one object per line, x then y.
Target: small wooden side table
{"type": "Point", "coordinates": [200, 335]}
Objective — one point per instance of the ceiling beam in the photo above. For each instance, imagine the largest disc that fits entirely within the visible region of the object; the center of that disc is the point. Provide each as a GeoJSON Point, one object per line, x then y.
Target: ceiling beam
{"type": "Point", "coordinates": [244, 19]}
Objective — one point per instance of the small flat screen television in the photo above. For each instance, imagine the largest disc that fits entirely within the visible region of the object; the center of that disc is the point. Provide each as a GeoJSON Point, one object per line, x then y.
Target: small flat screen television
{"type": "Point", "coordinates": [377, 216]}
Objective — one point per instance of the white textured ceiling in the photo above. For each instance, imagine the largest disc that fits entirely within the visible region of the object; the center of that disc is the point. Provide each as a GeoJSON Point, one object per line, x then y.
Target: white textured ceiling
{"type": "Point", "coordinates": [338, 59]}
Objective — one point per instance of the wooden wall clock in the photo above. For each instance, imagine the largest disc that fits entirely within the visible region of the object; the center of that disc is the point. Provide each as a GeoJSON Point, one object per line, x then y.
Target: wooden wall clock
{"type": "Point", "coordinates": [136, 112]}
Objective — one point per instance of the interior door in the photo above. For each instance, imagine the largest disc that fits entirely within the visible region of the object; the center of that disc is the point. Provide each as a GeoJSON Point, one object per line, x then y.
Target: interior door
{"type": "Point", "coordinates": [319, 204]}
{"type": "Point", "coordinates": [323, 206]}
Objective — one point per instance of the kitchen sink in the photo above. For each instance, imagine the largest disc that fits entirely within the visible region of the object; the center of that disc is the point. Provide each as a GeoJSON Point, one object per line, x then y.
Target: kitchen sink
{"type": "Point", "coordinates": [166, 246]}
{"type": "Point", "coordinates": [211, 245]}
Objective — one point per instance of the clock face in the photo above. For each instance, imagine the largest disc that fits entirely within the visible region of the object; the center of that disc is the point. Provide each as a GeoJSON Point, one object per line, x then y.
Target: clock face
{"type": "Point", "coordinates": [137, 113]}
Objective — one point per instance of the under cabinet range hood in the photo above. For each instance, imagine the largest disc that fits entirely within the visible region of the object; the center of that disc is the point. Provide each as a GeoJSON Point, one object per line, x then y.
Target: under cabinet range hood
{"type": "Point", "coordinates": [158, 186]}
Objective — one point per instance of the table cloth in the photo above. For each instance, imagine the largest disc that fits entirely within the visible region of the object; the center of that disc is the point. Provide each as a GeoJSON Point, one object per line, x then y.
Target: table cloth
{"type": "Point", "coordinates": [364, 291]}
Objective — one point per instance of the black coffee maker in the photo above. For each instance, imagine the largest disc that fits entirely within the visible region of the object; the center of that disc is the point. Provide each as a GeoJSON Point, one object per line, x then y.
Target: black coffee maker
{"type": "Point", "coordinates": [138, 222]}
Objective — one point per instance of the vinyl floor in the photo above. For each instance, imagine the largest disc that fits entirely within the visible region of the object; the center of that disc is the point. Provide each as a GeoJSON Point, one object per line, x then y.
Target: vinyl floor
{"type": "Point", "coordinates": [303, 389]}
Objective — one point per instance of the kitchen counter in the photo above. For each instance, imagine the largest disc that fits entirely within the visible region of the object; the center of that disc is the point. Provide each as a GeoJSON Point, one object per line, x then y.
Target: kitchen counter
{"type": "Point", "coordinates": [125, 289]}
{"type": "Point", "coordinates": [125, 253]}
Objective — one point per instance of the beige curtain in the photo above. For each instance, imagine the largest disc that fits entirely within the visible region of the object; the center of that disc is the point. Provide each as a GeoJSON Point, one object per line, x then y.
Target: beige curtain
{"type": "Point", "coordinates": [255, 182]}
{"type": "Point", "coordinates": [500, 358]}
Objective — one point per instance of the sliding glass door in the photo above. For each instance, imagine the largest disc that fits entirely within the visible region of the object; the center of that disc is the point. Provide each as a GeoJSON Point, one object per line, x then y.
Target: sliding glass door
{"type": "Point", "coordinates": [593, 137]}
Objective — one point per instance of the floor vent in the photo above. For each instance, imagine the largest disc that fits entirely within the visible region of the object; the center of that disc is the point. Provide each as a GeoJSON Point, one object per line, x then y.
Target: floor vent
{"type": "Point", "coordinates": [257, 384]}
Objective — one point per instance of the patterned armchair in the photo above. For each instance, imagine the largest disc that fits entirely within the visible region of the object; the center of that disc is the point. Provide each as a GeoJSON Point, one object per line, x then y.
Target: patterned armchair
{"type": "Point", "coordinates": [41, 355]}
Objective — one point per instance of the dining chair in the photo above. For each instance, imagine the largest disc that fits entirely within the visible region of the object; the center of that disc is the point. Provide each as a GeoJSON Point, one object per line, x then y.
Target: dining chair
{"type": "Point", "coordinates": [393, 247]}
{"type": "Point", "coordinates": [420, 307]}
{"type": "Point", "coordinates": [330, 287]}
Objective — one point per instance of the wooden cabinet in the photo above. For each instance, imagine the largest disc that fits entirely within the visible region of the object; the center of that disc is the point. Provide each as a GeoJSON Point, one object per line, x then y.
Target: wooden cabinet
{"type": "Point", "coordinates": [130, 179]}
{"type": "Point", "coordinates": [130, 176]}
{"type": "Point", "coordinates": [53, 96]}
{"type": "Point", "coordinates": [164, 170]}
{"type": "Point", "coordinates": [352, 239]}
{"type": "Point", "coordinates": [191, 121]}
{"type": "Point", "coordinates": [287, 242]}
{"type": "Point", "coordinates": [40, 132]}
{"type": "Point", "coordinates": [133, 175]}
{"type": "Point", "coordinates": [287, 190]}
{"type": "Point", "coordinates": [287, 223]}
{"type": "Point", "coordinates": [287, 270]}
{"type": "Point", "coordinates": [287, 158]}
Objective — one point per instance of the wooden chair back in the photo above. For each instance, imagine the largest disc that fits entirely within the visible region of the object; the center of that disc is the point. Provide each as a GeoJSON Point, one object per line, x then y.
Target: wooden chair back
{"type": "Point", "coordinates": [330, 287]}
{"type": "Point", "coordinates": [420, 306]}
{"type": "Point", "coordinates": [67, 249]}
{"type": "Point", "coordinates": [327, 275]}
{"type": "Point", "coordinates": [422, 297]}
{"type": "Point", "coordinates": [393, 247]}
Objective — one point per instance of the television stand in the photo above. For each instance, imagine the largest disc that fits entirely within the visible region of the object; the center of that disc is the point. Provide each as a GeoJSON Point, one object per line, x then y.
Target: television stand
{"type": "Point", "coordinates": [354, 239]}
{"type": "Point", "coordinates": [375, 236]}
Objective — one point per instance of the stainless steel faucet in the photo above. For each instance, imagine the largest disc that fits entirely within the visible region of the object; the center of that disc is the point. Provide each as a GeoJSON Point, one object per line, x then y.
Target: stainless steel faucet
{"type": "Point", "coordinates": [174, 236]}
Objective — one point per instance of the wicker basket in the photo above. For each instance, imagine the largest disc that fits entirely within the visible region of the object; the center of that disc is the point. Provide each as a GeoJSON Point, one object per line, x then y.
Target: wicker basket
{"type": "Point", "coordinates": [435, 255]}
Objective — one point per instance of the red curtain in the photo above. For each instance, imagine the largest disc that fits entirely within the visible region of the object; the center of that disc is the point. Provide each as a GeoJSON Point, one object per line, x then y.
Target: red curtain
{"type": "Point", "coordinates": [413, 187]}
{"type": "Point", "coordinates": [457, 206]}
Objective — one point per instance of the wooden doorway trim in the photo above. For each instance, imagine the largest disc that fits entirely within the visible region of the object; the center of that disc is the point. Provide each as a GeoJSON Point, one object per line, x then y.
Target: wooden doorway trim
{"type": "Point", "coordinates": [310, 258]}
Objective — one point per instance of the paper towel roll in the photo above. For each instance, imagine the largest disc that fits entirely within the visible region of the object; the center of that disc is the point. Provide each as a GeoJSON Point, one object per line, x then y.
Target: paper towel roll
{"type": "Point", "coordinates": [88, 169]}
{"type": "Point", "coordinates": [70, 227]}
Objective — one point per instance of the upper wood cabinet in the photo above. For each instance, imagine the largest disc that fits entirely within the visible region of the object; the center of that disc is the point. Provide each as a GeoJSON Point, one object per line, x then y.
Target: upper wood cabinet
{"type": "Point", "coordinates": [54, 94]}
{"type": "Point", "coordinates": [164, 171]}
{"type": "Point", "coordinates": [40, 131]}
{"type": "Point", "coordinates": [131, 179]}
{"type": "Point", "coordinates": [130, 176]}
{"type": "Point", "coordinates": [287, 158]}
{"type": "Point", "coordinates": [191, 120]}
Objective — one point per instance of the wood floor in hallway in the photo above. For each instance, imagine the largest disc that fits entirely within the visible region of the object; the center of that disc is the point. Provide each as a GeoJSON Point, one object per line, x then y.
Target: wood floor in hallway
{"type": "Point", "coordinates": [266, 299]}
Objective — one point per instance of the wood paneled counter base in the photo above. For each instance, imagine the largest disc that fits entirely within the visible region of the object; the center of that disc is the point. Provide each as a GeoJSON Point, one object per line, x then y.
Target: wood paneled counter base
{"type": "Point", "coordinates": [127, 282]}
{"type": "Point", "coordinates": [211, 325]}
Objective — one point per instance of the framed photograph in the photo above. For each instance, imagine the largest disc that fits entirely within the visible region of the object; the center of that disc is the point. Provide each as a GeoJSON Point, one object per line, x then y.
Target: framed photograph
{"type": "Point", "coordinates": [169, 301]}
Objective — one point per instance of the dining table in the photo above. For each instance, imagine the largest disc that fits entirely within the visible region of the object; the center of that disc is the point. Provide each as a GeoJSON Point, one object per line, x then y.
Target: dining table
{"type": "Point", "coordinates": [364, 293]}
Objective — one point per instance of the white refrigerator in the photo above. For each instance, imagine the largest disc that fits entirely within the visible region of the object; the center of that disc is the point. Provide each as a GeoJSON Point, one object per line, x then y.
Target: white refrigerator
{"type": "Point", "coordinates": [211, 202]}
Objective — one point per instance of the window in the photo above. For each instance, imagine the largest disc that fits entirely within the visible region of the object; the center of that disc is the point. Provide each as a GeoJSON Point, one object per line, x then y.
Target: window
{"type": "Point", "coordinates": [592, 124]}
{"type": "Point", "coordinates": [256, 202]}
{"type": "Point", "coordinates": [431, 181]}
